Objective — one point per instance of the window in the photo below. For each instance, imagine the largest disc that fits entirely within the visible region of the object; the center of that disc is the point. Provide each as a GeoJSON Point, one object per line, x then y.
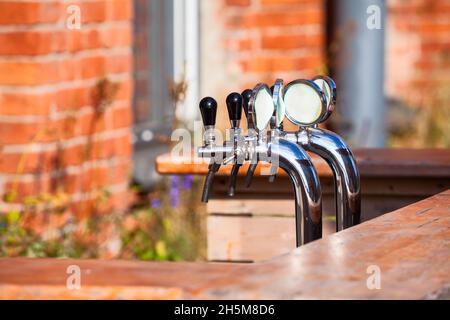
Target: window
{"type": "Point", "coordinates": [165, 53]}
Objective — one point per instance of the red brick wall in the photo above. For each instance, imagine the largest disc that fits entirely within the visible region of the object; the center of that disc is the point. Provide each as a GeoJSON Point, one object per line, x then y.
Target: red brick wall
{"type": "Point", "coordinates": [264, 39]}
{"type": "Point", "coordinates": [418, 48]}
{"type": "Point", "coordinates": [281, 37]}
{"type": "Point", "coordinates": [250, 41]}
{"type": "Point", "coordinates": [65, 129]}
{"type": "Point", "coordinates": [65, 102]}
{"type": "Point", "coordinates": [259, 41]}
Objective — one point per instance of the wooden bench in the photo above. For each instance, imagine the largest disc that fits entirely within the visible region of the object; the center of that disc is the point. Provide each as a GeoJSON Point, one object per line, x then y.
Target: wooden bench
{"type": "Point", "coordinates": [258, 223]}
{"type": "Point", "coordinates": [410, 247]}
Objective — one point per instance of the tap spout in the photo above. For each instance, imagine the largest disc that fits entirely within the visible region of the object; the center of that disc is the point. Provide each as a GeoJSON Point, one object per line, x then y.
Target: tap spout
{"type": "Point", "coordinates": [308, 198]}
{"type": "Point", "coordinates": [233, 179]}
{"type": "Point", "coordinates": [339, 157]}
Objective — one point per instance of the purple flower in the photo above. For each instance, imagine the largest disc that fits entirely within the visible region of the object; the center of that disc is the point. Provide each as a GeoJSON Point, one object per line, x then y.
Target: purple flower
{"type": "Point", "coordinates": [175, 191]}
{"type": "Point", "coordinates": [155, 203]}
{"type": "Point", "coordinates": [188, 179]}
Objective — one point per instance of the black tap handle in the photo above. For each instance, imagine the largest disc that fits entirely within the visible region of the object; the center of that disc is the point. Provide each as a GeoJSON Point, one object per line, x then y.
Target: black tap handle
{"type": "Point", "coordinates": [246, 96]}
{"type": "Point", "coordinates": [234, 106]}
{"type": "Point", "coordinates": [208, 109]}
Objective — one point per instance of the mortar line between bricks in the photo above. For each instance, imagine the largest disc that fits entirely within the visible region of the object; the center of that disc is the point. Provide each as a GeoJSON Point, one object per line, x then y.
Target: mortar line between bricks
{"type": "Point", "coordinates": [65, 55]}
{"type": "Point", "coordinates": [66, 171]}
{"type": "Point", "coordinates": [311, 29]}
{"type": "Point", "coordinates": [61, 115]}
{"type": "Point", "coordinates": [70, 84]}
{"type": "Point", "coordinates": [71, 142]}
{"type": "Point", "coordinates": [230, 35]}
{"type": "Point", "coordinates": [61, 26]}
{"type": "Point", "coordinates": [259, 8]}
{"type": "Point", "coordinates": [280, 54]}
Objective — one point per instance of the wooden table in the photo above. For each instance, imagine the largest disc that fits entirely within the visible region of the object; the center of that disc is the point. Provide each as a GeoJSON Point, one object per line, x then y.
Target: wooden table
{"type": "Point", "coordinates": [258, 223]}
{"type": "Point", "coordinates": [410, 247]}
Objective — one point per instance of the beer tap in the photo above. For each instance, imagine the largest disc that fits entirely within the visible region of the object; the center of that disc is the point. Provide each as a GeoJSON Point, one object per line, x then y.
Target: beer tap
{"type": "Point", "coordinates": [309, 103]}
{"type": "Point", "coordinates": [208, 110]}
{"type": "Point", "coordinates": [276, 122]}
{"type": "Point", "coordinates": [258, 145]}
{"type": "Point", "coordinates": [306, 103]}
{"type": "Point", "coordinates": [234, 106]}
{"type": "Point", "coordinates": [293, 160]}
{"type": "Point", "coordinates": [246, 96]}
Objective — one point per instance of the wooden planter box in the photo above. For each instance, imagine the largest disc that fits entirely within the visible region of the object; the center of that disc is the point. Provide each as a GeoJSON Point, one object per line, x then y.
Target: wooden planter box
{"type": "Point", "coordinates": [258, 223]}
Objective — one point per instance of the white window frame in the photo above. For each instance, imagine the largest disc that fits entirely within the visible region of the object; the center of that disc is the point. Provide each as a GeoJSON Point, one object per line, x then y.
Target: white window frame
{"type": "Point", "coordinates": [187, 56]}
{"type": "Point", "coordinates": [184, 62]}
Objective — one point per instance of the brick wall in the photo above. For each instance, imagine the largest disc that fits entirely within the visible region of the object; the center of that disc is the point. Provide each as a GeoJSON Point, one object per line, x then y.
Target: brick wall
{"type": "Point", "coordinates": [65, 95]}
{"type": "Point", "coordinates": [65, 102]}
{"type": "Point", "coordinates": [249, 41]}
{"type": "Point", "coordinates": [269, 38]}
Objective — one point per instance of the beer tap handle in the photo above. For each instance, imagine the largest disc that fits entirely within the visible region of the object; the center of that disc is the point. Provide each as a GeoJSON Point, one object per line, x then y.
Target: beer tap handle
{"type": "Point", "coordinates": [273, 123]}
{"type": "Point", "coordinates": [208, 110]}
{"type": "Point", "coordinates": [234, 106]}
{"type": "Point", "coordinates": [246, 95]}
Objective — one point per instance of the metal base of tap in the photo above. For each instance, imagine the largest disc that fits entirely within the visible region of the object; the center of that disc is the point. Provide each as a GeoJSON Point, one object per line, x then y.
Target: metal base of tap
{"type": "Point", "coordinates": [339, 157]}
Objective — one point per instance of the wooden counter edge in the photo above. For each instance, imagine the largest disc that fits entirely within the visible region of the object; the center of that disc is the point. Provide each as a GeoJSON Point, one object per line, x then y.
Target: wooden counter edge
{"type": "Point", "coordinates": [371, 162]}
{"type": "Point", "coordinates": [410, 247]}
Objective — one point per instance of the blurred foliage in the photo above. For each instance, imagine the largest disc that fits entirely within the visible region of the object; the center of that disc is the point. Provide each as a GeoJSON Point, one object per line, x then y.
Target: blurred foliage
{"type": "Point", "coordinates": [425, 124]}
{"type": "Point", "coordinates": [151, 230]}
{"type": "Point", "coordinates": [425, 120]}
{"type": "Point", "coordinates": [165, 224]}
{"type": "Point", "coordinates": [174, 230]}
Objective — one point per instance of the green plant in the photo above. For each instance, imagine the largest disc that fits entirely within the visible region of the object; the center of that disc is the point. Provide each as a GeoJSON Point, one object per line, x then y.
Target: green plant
{"type": "Point", "coordinates": [146, 232]}
{"type": "Point", "coordinates": [44, 224]}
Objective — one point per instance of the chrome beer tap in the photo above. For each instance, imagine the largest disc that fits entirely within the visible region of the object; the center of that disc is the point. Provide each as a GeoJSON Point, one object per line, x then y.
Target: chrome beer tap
{"type": "Point", "coordinates": [260, 145]}
{"type": "Point", "coordinates": [208, 110]}
{"type": "Point", "coordinates": [234, 106]}
{"type": "Point", "coordinates": [246, 96]}
{"type": "Point", "coordinates": [308, 103]}
{"type": "Point", "coordinates": [276, 122]}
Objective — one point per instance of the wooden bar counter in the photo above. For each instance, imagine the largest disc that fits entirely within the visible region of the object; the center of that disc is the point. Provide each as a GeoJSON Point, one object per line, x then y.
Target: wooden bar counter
{"type": "Point", "coordinates": [410, 248]}
{"type": "Point", "coordinates": [258, 223]}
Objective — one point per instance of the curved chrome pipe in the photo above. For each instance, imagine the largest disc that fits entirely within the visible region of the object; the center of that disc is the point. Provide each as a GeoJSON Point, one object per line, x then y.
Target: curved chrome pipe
{"type": "Point", "coordinates": [308, 197]}
{"type": "Point", "coordinates": [339, 157]}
